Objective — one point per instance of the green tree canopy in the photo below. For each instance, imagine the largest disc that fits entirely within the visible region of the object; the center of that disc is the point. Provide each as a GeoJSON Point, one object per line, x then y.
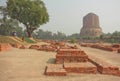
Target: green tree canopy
{"type": "Point", "coordinates": [31, 13]}
{"type": "Point", "coordinates": [7, 26]}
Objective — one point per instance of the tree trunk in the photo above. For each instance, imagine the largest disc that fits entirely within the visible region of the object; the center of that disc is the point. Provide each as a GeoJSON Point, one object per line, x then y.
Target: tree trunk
{"type": "Point", "coordinates": [29, 32]}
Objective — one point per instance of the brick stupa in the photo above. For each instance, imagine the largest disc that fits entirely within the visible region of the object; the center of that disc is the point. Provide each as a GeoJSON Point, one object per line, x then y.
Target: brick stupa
{"type": "Point", "coordinates": [91, 26]}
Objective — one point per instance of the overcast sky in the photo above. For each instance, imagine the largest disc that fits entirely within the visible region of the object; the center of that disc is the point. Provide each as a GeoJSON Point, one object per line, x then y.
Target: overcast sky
{"type": "Point", "coordinates": [67, 15]}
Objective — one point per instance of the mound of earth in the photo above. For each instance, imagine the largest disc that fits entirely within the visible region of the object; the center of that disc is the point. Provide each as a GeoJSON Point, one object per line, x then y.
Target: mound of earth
{"type": "Point", "coordinates": [11, 40]}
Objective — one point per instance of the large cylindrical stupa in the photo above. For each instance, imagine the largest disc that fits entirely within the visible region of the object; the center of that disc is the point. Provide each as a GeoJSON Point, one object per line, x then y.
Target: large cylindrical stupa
{"type": "Point", "coordinates": [91, 26]}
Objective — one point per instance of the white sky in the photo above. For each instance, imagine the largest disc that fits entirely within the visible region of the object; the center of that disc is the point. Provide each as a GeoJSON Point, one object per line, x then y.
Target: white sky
{"type": "Point", "coordinates": [66, 15]}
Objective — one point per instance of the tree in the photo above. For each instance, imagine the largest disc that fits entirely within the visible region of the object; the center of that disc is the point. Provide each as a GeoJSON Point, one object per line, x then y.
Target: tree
{"type": "Point", "coordinates": [7, 26]}
{"type": "Point", "coordinates": [75, 35]}
{"type": "Point", "coordinates": [31, 13]}
{"type": "Point", "coordinates": [61, 36]}
{"type": "Point", "coordinates": [73, 40]}
{"type": "Point", "coordinates": [43, 34]}
{"type": "Point", "coordinates": [3, 11]}
{"type": "Point", "coordinates": [116, 34]}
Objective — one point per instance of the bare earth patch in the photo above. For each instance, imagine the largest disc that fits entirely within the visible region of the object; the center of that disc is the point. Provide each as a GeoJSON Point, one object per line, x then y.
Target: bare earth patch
{"type": "Point", "coordinates": [29, 65]}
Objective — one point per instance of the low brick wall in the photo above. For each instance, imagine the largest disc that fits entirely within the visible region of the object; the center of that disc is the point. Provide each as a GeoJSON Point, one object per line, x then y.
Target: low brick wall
{"type": "Point", "coordinates": [23, 47]}
{"type": "Point", "coordinates": [80, 68]}
{"type": "Point", "coordinates": [118, 51]}
{"type": "Point", "coordinates": [47, 48]}
{"type": "Point", "coordinates": [34, 47]}
{"type": "Point", "coordinates": [61, 58]}
{"type": "Point", "coordinates": [16, 45]}
{"type": "Point", "coordinates": [103, 47]}
{"type": "Point", "coordinates": [116, 45]}
{"type": "Point", "coordinates": [71, 55]}
{"type": "Point", "coordinates": [104, 67]}
{"type": "Point", "coordinates": [107, 48]}
{"type": "Point", "coordinates": [71, 51]}
{"type": "Point", "coordinates": [55, 70]}
{"type": "Point", "coordinates": [86, 45]}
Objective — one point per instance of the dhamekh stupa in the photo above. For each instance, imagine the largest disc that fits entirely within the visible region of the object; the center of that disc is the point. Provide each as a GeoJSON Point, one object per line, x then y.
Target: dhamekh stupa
{"type": "Point", "coordinates": [91, 26]}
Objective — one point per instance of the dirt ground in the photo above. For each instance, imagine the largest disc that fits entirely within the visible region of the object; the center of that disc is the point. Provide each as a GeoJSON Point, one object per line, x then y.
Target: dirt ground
{"type": "Point", "coordinates": [110, 57]}
{"type": "Point", "coordinates": [29, 65]}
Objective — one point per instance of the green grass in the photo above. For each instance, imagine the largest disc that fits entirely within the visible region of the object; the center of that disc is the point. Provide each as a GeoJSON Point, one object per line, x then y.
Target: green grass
{"type": "Point", "coordinates": [7, 39]}
{"type": "Point", "coordinates": [73, 40]}
{"type": "Point", "coordinates": [28, 40]}
{"type": "Point", "coordinates": [37, 40]}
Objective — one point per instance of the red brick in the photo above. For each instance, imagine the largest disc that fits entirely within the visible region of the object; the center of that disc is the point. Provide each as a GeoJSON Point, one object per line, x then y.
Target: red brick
{"type": "Point", "coordinates": [61, 58]}
{"type": "Point", "coordinates": [5, 47]}
{"type": "Point", "coordinates": [86, 45]}
{"type": "Point", "coordinates": [55, 70]}
{"type": "Point", "coordinates": [104, 67]}
{"type": "Point", "coordinates": [71, 55]}
{"type": "Point", "coordinates": [110, 49]}
{"type": "Point", "coordinates": [34, 47]}
{"type": "Point", "coordinates": [23, 47]}
{"type": "Point", "coordinates": [47, 48]}
{"type": "Point", "coordinates": [116, 45]}
{"type": "Point", "coordinates": [118, 73]}
{"type": "Point", "coordinates": [17, 45]}
{"type": "Point", "coordinates": [118, 51]}
{"type": "Point", "coordinates": [86, 67]}
{"type": "Point", "coordinates": [111, 70]}
{"type": "Point", "coordinates": [104, 47]}
{"type": "Point", "coordinates": [72, 51]}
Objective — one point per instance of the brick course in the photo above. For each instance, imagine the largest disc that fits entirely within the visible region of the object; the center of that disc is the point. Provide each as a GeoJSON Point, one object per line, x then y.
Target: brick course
{"type": "Point", "coordinates": [55, 70]}
{"type": "Point", "coordinates": [80, 68]}
{"type": "Point", "coordinates": [5, 47]}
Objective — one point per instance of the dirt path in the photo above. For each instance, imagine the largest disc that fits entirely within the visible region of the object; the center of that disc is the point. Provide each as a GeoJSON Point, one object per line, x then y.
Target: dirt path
{"type": "Point", "coordinates": [29, 65]}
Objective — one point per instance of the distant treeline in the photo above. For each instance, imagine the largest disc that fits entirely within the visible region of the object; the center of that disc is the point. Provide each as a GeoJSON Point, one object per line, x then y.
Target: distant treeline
{"type": "Point", "coordinates": [8, 26]}
{"type": "Point", "coordinates": [13, 14]}
{"type": "Point", "coordinates": [111, 37]}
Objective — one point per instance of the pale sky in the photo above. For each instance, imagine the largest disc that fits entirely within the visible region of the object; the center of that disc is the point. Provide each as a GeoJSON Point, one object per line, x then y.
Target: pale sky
{"type": "Point", "coordinates": [67, 15]}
